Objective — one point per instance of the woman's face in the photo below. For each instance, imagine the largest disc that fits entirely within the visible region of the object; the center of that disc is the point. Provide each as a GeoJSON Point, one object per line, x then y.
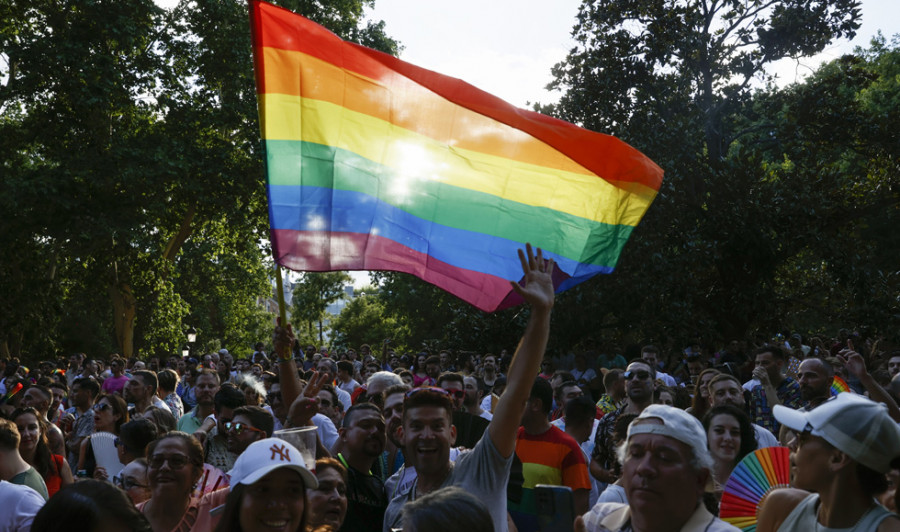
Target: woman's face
{"type": "Point", "coordinates": [328, 502]}
{"type": "Point", "coordinates": [30, 431]}
{"type": "Point", "coordinates": [275, 503]}
{"type": "Point", "coordinates": [134, 482]}
{"type": "Point", "coordinates": [420, 363]}
{"type": "Point", "coordinates": [724, 438]}
{"type": "Point", "coordinates": [251, 397]}
{"type": "Point", "coordinates": [170, 468]}
{"type": "Point", "coordinates": [665, 398]}
{"type": "Point", "coordinates": [104, 418]}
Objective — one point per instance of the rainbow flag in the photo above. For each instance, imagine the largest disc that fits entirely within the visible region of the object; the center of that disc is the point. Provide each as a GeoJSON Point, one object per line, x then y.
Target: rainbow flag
{"type": "Point", "coordinates": [376, 164]}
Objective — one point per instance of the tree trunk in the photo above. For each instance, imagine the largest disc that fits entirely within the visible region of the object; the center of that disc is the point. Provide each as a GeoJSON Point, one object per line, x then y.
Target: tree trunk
{"type": "Point", "coordinates": [124, 312]}
{"type": "Point", "coordinates": [184, 231]}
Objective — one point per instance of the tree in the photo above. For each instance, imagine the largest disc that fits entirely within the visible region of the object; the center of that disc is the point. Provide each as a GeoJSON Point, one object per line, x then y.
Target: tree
{"type": "Point", "coordinates": [313, 293]}
{"type": "Point", "coordinates": [130, 155]}
{"type": "Point", "coordinates": [365, 321]}
{"type": "Point", "coordinates": [675, 78]}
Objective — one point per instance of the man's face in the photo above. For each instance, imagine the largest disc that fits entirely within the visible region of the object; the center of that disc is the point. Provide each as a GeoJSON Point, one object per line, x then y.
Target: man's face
{"type": "Point", "coordinates": [229, 360]}
{"type": "Point", "coordinates": [772, 365]}
{"type": "Point", "coordinates": [650, 358]}
{"type": "Point", "coordinates": [329, 408]}
{"type": "Point", "coordinates": [428, 435]}
{"type": "Point", "coordinates": [239, 440]}
{"type": "Point", "coordinates": [206, 389]}
{"type": "Point", "coordinates": [695, 368]}
{"type": "Point", "coordinates": [445, 360]}
{"type": "Point", "coordinates": [568, 393]}
{"type": "Point", "coordinates": [726, 392]}
{"type": "Point", "coordinates": [365, 434]}
{"type": "Point", "coordinates": [433, 370]}
{"type": "Point", "coordinates": [489, 364]}
{"type": "Point", "coordinates": [276, 401]}
{"type": "Point", "coordinates": [473, 395]}
{"type": "Point", "coordinates": [59, 396]}
{"type": "Point", "coordinates": [457, 393]}
{"type": "Point", "coordinates": [74, 361]}
{"type": "Point", "coordinates": [393, 417]}
{"type": "Point", "coordinates": [639, 387]}
{"type": "Point", "coordinates": [324, 368]}
{"type": "Point", "coordinates": [813, 381]}
{"type": "Point", "coordinates": [580, 363]}
{"type": "Point", "coordinates": [894, 366]}
{"type": "Point", "coordinates": [223, 415]}
{"type": "Point", "coordinates": [181, 366]}
{"type": "Point", "coordinates": [135, 391]}
{"type": "Point", "coordinates": [81, 397]}
{"type": "Point", "coordinates": [659, 479]}
{"type": "Point", "coordinates": [36, 399]}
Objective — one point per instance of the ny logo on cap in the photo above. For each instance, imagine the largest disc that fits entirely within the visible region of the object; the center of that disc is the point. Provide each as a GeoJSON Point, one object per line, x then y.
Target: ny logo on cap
{"type": "Point", "coordinates": [282, 452]}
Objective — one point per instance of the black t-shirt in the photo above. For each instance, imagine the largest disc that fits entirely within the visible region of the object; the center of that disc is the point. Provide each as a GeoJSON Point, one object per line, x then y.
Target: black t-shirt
{"type": "Point", "coordinates": [366, 501]}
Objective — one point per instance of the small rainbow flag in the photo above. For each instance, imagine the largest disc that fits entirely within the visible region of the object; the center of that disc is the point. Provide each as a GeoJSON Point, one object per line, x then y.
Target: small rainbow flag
{"type": "Point", "coordinates": [375, 164]}
{"type": "Point", "coordinates": [839, 385]}
{"type": "Point", "coordinates": [12, 392]}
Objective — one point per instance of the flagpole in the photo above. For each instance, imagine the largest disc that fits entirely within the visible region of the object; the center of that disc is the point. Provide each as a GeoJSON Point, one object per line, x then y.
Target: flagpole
{"type": "Point", "coordinates": [280, 290]}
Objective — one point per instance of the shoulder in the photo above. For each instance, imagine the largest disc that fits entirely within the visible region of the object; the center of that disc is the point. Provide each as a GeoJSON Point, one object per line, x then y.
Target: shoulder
{"type": "Point", "coordinates": [890, 524]}
{"type": "Point", "coordinates": [777, 506]}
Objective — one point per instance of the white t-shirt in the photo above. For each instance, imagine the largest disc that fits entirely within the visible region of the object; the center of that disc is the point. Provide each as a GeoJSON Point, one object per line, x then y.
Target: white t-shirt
{"type": "Point", "coordinates": [764, 437]}
{"type": "Point", "coordinates": [20, 504]}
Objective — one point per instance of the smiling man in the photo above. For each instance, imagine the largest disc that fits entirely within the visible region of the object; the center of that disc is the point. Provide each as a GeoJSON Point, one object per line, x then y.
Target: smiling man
{"type": "Point", "coordinates": [428, 431]}
{"type": "Point", "coordinates": [666, 469]}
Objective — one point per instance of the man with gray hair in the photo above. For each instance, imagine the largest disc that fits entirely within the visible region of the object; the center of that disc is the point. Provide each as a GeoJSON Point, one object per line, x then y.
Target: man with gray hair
{"type": "Point", "coordinates": [665, 472]}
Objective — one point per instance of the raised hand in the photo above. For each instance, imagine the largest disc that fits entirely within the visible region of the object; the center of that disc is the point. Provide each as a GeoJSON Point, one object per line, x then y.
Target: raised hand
{"type": "Point", "coordinates": [283, 340]}
{"type": "Point", "coordinates": [538, 288]}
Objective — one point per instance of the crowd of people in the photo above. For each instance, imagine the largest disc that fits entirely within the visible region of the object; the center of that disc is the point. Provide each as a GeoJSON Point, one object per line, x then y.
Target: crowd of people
{"type": "Point", "coordinates": [632, 440]}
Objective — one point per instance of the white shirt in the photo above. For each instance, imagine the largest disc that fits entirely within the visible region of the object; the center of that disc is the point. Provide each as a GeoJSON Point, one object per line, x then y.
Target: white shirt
{"type": "Point", "coordinates": [20, 504]}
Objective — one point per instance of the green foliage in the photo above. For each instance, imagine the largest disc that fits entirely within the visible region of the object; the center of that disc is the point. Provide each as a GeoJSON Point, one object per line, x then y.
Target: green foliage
{"type": "Point", "coordinates": [313, 293]}
{"type": "Point", "coordinates": [129, 153]}
{"type": "Point", "coordinates": [365, 321]}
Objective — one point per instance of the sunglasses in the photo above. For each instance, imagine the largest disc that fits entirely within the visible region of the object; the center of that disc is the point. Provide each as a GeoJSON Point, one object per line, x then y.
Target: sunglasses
{"type": "Point", "coordinates": [100, 407]}
{"type": "Point", "coordinates": [176, 461]}
{"type": "Point", "coordinates": [456, 393]}
{"type": "Point", "coordinates": [641, 375]}
{"type": "Point", "coordinates": [239, 428]}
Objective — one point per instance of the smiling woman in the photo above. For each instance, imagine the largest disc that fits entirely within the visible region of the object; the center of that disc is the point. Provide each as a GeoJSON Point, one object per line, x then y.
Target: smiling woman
{"type": "Point", "coordinates": [268, 490]}
{"type": "Point", "coordinates": [175, 463]}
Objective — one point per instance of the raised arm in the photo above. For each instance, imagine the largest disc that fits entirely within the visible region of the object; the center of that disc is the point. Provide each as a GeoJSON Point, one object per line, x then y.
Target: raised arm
{"type": "Point", "coordinates": [855, 364]}
{"type": "Point", "coordinates": [526, 363]}
{"type": "Point", "coordinates": [283, 341]}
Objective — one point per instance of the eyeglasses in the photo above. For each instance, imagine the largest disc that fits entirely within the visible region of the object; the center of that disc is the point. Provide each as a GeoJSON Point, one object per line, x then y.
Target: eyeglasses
{"type": "Point", "coordinates": [100, 407]}
{"type": "Point", "coordinates": [176, 461]}
{"type": "Point", "coordinates": [239, 428]}
{"type": "Point", "coordinates": [456, 393]}
{"type": "Point", "coordinates": [127, 483]}
{"type": "Point", "coordinates": [641, 375]}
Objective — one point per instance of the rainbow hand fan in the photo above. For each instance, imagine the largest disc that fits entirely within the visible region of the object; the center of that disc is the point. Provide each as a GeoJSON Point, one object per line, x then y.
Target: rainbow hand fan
{"type": "Point", "coordinates": [839, 385]}
{"type": "Point", "coordinates": [753, 478]}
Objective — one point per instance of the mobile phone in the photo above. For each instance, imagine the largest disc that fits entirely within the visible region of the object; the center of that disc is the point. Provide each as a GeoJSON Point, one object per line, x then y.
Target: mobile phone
{"type": "Point", "coordinates": [555, 508]}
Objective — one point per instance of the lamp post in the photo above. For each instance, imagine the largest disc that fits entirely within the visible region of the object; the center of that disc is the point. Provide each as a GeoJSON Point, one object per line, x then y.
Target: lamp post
{"type": "Point", "coordinates": [191, 334]}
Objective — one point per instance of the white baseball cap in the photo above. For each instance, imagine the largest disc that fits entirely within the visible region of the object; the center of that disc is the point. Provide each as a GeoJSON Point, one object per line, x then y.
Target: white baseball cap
{"type": "Point", "coordinates": [678, 425]}
{"type": "Point", "coordinates": [264, 456]}
{"type": "Point", "coordinates": [223, 351]}
{"type": "Point", "coordinates": [853, 424]}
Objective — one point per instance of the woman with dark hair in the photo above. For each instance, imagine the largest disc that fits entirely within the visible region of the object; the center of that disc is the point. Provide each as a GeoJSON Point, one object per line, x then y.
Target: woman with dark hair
{"type": "Point", "coordinates": [89, 506]}
{"type": "Point", "coordinates": [447, 510]}
{"type": "Point", "coordinates": [328, 501]}
{"type": "Point", "coordinates": [268, 490]}
{"type": "Point", "coordinates": [174, 465]}
{"type": "Point", "coordinates": [35, 450]}
{"type": "Point", "coordinates": [730, 438]}
{"type": "Point", "coordinates": [110, 413]}
{"type": "Point", "coordinates": [420, 377]}
{"type": "Point", "coordinates": [700, 401]}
